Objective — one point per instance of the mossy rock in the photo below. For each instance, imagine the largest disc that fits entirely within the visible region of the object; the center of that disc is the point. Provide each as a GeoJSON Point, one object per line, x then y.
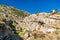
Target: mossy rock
{"type": "Point", "coordinates": [22, 32]}
{"type": "Point", "coordinates": [58, 32]}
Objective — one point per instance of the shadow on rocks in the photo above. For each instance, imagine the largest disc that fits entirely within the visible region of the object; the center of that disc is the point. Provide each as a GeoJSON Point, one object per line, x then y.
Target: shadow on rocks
{"type": "Point", "coordinates": [12, 38]}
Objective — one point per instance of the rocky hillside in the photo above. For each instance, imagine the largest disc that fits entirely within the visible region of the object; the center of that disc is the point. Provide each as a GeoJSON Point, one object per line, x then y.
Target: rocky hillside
{"type": "Point", "coordinates": [10, 19]}
{"type": "Point", "coordinates": [43, 26]}
{"type": "Point", "coordinates": [20, 25]}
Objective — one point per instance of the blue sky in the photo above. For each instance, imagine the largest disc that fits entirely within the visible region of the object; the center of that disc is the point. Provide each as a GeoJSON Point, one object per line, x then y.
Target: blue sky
{"type": "Point", "coordinates": [33, 6]}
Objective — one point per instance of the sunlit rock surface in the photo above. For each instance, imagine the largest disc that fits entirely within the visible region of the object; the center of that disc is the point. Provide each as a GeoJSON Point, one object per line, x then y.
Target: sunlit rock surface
{"type": "Point", "coordinates": [19, 25]}
{"type": "Point", "coordinates": [43, 21]}
{"type": "Point", "coordinates": [47, 23]}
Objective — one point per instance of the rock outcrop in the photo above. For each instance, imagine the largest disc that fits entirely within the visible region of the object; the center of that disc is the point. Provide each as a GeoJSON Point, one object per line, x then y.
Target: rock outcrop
{"type": "Point", "coordinates": [35, 22]}
{"type": "Point", "coordinates": [46, 23]}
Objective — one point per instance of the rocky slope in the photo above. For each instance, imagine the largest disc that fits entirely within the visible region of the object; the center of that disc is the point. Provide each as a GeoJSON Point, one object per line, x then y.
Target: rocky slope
{"type": "Point", "coordinates": [46, 23]}
{"type": "Point", "coordinates": [20, 25]}
{"type": "Point", "coordinates": [10, 19]}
